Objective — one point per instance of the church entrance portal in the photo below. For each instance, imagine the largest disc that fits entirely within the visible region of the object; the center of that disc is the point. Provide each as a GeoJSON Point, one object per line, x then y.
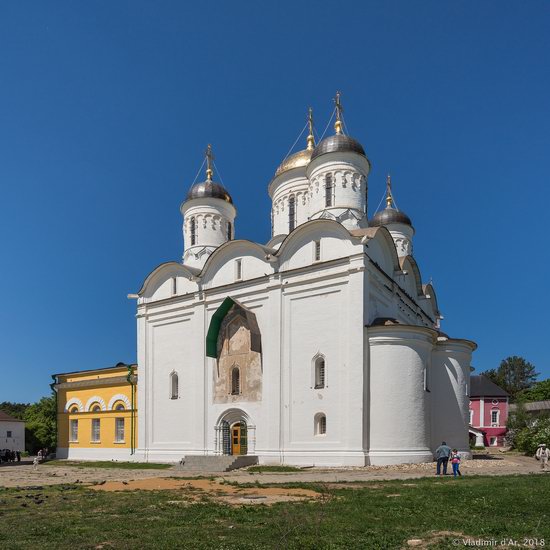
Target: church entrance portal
{"type": "Point", "coordinates": [234, 434]}
{"type": "Point", "coordinates": [235, 438]}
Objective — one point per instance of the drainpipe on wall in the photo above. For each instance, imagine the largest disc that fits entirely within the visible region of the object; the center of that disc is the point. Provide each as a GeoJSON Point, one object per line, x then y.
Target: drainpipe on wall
{"type": "Point", "coordinates": [132, 391]}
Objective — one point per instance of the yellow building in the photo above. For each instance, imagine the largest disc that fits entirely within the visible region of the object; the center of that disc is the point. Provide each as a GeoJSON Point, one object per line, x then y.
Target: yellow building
{"type": "Point", "coordinates": [97, 413]}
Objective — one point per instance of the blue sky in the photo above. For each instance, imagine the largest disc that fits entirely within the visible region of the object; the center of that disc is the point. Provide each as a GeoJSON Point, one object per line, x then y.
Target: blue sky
{"type": "Point", "coordinates": [106, 109]}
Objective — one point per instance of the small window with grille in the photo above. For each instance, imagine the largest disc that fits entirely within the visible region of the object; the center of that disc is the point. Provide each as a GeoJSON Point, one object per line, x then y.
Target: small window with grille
{"type": "Point", "coordinates": [316, 251]}
{"type": "Point", "coordinates": [320, 373]}
{"type": "Point", "coordinates": [291, 213]}
{"type": "Point", "coordinates": [320, 424]}
{"type": "Point", "coordinates": [193, 231]}
{"type": "Point", "coordinates": [329, 190]}
{"type": "Point", "coordinates": [235, 381]}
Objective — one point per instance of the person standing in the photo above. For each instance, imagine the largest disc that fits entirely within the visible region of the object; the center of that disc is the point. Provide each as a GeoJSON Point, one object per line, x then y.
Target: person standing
{"type": "Point", "coordinates": [455, 462]}
{"type": "Point", "coordinates": [442, 454]}
{"type": "Point", "coordinates": [543, 454]}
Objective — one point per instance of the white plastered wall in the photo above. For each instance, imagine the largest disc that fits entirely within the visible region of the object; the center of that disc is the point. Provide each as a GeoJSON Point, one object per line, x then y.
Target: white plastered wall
{"type": "Point", "coordinates": [94, 453]}
{"type": "Point", "coordinates": [450, 382]}
{"type": "Point", "coordinates": [16, 441]}
{"type": "Point", "coordinates": [399, 407]}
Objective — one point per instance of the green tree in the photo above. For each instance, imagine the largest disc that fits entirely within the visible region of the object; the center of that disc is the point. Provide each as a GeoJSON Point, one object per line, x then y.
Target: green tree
{"type": "Point", "coordinates": [40, 424]}
{"type": "Point", "coordinates": [513, 375]}
{"type": "Point", "coordinates": [530, 437]}
{"type": "Point", "coordinates": [517, 421]}
{"type": "Point", "coordinates": [539, 391]}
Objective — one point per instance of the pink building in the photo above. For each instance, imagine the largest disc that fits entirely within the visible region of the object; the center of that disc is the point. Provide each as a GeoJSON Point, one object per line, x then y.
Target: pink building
{"type": "Point", "coordinates": [488, 410]}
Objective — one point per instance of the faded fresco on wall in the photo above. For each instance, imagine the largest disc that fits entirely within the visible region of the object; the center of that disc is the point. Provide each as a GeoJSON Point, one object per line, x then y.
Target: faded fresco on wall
{"type": "Point", "coordinates": [238, 372]}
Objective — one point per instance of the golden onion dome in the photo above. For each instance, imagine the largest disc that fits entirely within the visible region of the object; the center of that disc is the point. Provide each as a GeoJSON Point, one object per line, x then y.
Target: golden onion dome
{"type": "Point", "coordinates": [296, 160]}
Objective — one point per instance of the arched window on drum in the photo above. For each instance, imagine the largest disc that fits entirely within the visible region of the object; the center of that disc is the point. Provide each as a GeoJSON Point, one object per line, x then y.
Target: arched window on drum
{"type": "Point", "coordinates": [174, 385]}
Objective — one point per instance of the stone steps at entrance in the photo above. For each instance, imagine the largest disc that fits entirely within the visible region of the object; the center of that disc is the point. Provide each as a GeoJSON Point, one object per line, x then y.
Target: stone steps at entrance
{"type": "Point", "coordinates": [223, 463]}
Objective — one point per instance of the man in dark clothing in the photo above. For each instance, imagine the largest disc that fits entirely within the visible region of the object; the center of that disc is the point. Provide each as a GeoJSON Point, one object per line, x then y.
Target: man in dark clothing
{"type": "Point", "coordinates": [442, 454]}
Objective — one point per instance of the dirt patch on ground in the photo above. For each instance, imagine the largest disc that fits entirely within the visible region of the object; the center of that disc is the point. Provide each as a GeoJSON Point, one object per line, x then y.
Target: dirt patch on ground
{"type": "Point", "coordinates": [200, 489]}
{"type": "Point", "coordinates": [24, 474]}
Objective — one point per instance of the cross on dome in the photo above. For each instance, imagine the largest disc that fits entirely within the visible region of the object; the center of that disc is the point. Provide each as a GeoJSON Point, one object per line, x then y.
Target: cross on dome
{"type": "Point", "coordinates": [389, 196]}
{"type": "Point", "coordinates": [310, 137]}
{"type": "Point", "coordinates": [339, 111]}
{"type": "Point", "coordinates": [209, 162]}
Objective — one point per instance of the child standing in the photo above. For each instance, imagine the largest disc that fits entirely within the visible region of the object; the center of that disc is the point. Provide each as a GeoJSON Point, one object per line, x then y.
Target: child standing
{"type": "Point", "coordinates": [455, 461]}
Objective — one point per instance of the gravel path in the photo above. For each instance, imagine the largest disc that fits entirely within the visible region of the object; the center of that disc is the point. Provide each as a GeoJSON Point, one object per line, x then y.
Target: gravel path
{"type": "Point", "coordinates": [23, 474]}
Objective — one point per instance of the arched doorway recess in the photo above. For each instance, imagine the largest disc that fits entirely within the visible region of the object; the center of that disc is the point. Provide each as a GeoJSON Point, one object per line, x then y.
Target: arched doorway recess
{"type": "Point", "coordinates": [235, 434]}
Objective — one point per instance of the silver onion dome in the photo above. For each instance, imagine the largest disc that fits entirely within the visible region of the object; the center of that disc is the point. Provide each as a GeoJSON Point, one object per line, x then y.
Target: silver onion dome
{"type": "Point", "coordinates": [388, 216]}
{"type": "Point", "coordinates": [209, 189]}
{"type": "Point", "coordinates": [338, 143]}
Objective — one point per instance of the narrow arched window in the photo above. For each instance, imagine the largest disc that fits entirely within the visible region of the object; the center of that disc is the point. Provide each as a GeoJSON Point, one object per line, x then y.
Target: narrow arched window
{"type": "Point", "coordinates": [228, 231]}
{"type": "Point", "coordinates": [174, 386]}
{"type": "Point", "coordinates": [73, 410]}
{"type": "Point", "coordinates": [329, 187]}
{"type": "Point", "coordinates": [291, 213]}
{"type": "Point", "coordinates": [320, 372]}
{"type": "Point", "coordinates": [120, 407]}
{"type": "Point", "coordinates": [238, 269]}
{"type": "Point", "coordinates": [96, 408]}
{"type": "Point", "coordinates": [235, 381]}
{"type": "Point", "coordinates": [320, 424]}
{"type": "Point", "coordinates": [193, 231]}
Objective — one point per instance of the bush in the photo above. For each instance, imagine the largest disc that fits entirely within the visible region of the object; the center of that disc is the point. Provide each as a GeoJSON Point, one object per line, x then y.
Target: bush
{"type": "Point", "coordinates": [517, 422]}
{"type": "Point", "coordinates": [528, 439]}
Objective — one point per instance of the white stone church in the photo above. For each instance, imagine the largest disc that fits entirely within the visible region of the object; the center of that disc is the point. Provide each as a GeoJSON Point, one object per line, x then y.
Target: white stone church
{"type": "Point", "coordinates": [319, 347]}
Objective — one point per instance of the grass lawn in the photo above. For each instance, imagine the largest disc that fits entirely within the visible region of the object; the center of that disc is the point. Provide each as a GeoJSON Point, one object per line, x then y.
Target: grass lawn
{"type": "Point", "coordinates": [109, 464]}
{"type": "Point", "coordinates": [376, 515]}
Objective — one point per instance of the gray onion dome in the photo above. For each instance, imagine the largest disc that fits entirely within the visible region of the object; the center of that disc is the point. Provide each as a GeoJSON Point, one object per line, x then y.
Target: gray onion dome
{"type": "Point", "coordinates": [209, 189]}
{"type": "Point", "coordinates": [388, 216]}
{"type": "Point", "coordinates": [338, 143]}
